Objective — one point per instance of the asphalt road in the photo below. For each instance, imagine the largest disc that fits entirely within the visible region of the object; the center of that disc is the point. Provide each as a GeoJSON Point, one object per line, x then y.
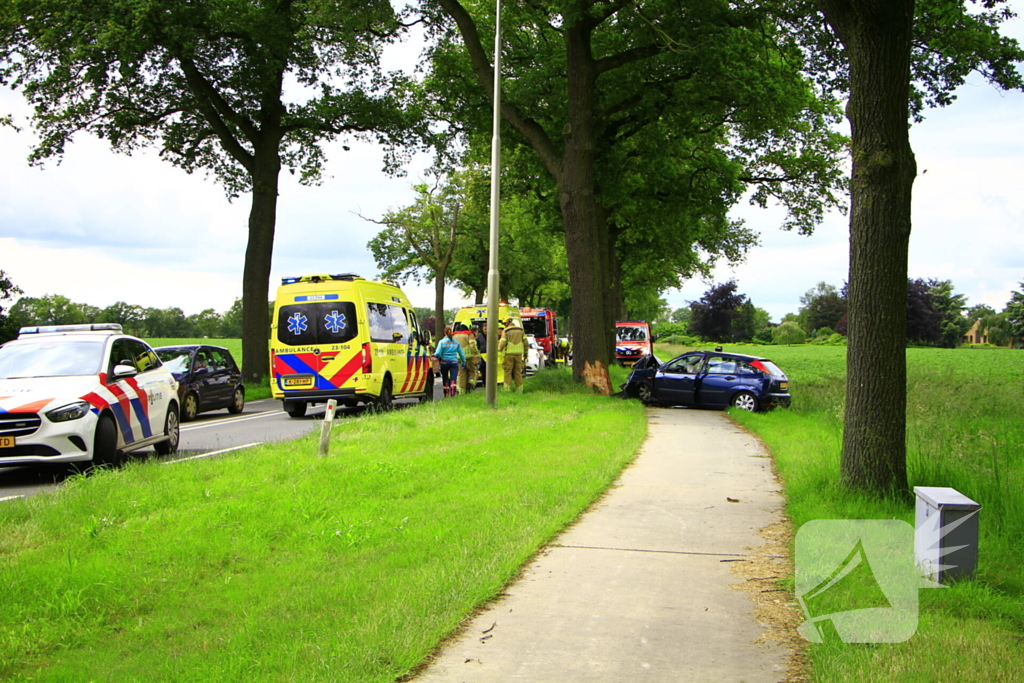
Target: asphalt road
{"type": "Point", "coordinates": [209, 435]}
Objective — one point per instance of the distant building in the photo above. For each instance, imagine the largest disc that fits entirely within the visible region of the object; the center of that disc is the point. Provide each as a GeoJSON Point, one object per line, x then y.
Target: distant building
{"type": "Point", "coordinates": [979, 335]}
{"type": "Point", "coordinates": [976, 335]}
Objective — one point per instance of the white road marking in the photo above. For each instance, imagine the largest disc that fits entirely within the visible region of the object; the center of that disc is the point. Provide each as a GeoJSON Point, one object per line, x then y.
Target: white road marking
{"type": "Point", "coordinates": [211, 453]}
{"type": "Point", "coordinates": [6, 498]}
{"type": "Point", "coordinates": [230, 420]}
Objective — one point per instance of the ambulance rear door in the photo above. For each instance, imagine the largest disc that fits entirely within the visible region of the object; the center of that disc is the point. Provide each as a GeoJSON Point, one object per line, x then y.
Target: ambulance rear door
{"type": "Point", "coordinates": [315, 352]}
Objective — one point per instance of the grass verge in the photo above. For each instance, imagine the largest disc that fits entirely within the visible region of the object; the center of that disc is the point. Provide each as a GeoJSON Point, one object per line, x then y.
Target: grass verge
{"type": "Point", "coordinates": [964, 430]}
{"type": "Point", "coordinates": [274, 564]}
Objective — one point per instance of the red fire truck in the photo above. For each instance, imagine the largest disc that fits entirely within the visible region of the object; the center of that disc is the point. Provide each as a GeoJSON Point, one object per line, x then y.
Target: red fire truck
{"type": "Point", "coordinates": [632, 341]}
{"type": "Point", "coordinates": [542, 323]}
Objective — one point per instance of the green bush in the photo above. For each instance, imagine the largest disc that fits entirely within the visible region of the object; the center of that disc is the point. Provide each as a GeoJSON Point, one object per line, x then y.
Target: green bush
{"type": "Point", "coordinates": [680, 340]}
{"type": "Point", "coordinates": [788, 333]}
{"type": "Point", "coordinates": [660, 330]}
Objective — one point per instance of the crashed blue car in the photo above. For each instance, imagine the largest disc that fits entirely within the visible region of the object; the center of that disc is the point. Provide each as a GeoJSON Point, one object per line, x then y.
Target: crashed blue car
{"type": "Point", "coordinates": [710, 379]}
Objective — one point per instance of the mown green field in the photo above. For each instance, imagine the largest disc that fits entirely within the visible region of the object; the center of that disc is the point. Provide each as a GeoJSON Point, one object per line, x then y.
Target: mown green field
{"type": "Point", "coordinates": [965, 429]}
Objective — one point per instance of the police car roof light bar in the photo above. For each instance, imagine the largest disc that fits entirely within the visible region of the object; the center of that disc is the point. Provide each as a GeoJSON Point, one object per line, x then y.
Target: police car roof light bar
{"type": "Point", "coordinates": [87, 327]}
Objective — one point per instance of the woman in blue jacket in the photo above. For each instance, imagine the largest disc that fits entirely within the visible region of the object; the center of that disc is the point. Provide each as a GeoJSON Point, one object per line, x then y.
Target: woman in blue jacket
{"type": "Point", "coordinates": [451, 357]}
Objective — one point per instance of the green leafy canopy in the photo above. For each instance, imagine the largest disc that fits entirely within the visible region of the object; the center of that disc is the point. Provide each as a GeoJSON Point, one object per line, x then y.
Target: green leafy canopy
{"type": "Point", "coordinates": [214, 84]}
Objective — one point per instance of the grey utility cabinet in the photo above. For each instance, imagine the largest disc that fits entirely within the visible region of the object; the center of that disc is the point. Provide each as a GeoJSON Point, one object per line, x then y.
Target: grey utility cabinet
{"type": "Point", "coordinates": [946, 533]}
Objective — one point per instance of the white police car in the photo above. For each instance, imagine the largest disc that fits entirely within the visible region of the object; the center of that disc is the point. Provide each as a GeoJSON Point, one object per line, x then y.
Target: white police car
{"type": "Point", "coordinates": [81, 393]}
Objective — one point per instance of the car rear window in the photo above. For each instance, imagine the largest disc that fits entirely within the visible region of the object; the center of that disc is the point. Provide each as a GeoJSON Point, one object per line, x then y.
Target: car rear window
{"type": "Point", "coordinates": [307, 324]}
{"type": "Point", "coordinates": [769, 367]}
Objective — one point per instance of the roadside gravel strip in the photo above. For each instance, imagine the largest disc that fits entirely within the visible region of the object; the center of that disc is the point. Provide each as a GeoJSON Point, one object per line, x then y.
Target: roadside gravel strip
{"type": "Point", "coordinates": [641, 588]}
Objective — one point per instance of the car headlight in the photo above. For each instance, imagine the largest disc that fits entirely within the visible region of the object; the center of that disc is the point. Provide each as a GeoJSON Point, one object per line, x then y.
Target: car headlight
{"type": "Point", "coordinates": [72, 411]}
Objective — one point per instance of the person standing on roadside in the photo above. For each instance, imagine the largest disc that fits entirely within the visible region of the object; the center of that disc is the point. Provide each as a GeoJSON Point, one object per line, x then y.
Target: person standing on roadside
{"type": "Point", "coordinates": [513, 343]}
{"type": "Point", "coordinates": [481, 345]}
{"type": "Point", "coordinates": [466, 339]}
{"type": "Point", "coordinates": [449, 354]}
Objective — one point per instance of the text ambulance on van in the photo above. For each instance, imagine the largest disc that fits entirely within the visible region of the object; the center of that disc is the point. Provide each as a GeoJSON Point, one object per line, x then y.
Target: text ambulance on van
{"type": "Point", "coordinates": [346, 338]}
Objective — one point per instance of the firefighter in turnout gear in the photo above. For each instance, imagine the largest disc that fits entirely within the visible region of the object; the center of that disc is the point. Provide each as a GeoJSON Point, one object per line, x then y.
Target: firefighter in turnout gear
{"type": "Point", "coordinates": [513, 343]}
{"type": "Point", "coordinates": [467, 340]}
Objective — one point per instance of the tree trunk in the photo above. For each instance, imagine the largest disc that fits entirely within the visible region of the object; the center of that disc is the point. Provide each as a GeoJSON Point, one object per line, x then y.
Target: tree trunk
{"type": "Point", "coordinates": [438, 305]}
{"type": "Point", "coordinates": [584, 242]}
{"type": "Point", "coordinates": [877, 38]}
{"type": "Point", "coordinates": [258, 256]}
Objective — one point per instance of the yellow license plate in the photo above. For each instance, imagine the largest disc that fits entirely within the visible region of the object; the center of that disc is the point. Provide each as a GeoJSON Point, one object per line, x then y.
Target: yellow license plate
{"type": "Point", "coordinates": [306, 381]}
{"type": "Point", "coordinates": [7, 442]}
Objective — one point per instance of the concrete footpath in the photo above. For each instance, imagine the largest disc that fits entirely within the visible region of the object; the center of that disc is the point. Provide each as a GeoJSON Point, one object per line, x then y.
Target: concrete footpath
{"type": "Point", "coordinates": [639, 588]}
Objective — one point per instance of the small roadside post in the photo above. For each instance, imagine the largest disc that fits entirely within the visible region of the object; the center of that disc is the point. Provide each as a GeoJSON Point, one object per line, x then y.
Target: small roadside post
{"type": "Point", "coordinates": [325, 427]}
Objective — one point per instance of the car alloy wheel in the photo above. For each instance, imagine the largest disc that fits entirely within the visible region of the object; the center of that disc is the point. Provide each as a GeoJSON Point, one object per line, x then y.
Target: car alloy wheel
{"type": "Point", "coordinates": [173, 432]}
{"type": "Point", "coordinates": [189, 407]}
{"type": "Point", "coordinates": [237, 401]}
{"type": "Point", "coordinates": [745, 401]}
{"type": "Point", "coordinates": [645, 393]}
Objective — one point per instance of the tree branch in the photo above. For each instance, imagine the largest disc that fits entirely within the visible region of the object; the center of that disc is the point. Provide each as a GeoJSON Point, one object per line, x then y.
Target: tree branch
{"type": "Point", "coordinates": [625, 57]}
{"type": "Point", "coordinates": [215, 109]}
{"type": "Point", "coordinates": [527, 127]}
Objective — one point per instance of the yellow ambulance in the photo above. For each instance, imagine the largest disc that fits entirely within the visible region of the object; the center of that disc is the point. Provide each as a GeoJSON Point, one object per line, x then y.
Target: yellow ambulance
{"type": "Point", "coordinates": [476, 316]}
{"type": "Point", "coordinates": [346, 338]}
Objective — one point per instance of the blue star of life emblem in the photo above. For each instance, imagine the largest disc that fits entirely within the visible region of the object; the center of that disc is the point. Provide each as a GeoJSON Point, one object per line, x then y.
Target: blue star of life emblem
{"type": "Point", "coordinates": [297, 323]}
{"type": "Point", "coordinates": [335, 322]}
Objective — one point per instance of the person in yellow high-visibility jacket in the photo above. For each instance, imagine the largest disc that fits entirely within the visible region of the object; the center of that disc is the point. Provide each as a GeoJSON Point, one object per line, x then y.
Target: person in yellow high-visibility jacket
{"type": "Point", "coordinates": [466, 339]}
{"type": "Point", "coordinates": [513, 343]}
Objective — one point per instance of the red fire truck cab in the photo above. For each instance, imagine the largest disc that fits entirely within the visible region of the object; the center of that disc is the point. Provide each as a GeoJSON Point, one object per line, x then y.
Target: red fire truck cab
{"type": "Point", "coordinates": [632, 341]}
{"type": "Point", "coordinates": [542, 323]}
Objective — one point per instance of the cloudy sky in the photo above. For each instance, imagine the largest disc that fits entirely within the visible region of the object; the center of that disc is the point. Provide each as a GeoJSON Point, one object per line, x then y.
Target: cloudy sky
{"type": "Point", "coordinates": [101, 227]}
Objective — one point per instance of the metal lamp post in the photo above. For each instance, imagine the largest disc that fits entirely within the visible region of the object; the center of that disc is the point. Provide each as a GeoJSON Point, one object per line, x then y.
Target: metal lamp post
{"type": "Point", "coordinates": [491, 379]}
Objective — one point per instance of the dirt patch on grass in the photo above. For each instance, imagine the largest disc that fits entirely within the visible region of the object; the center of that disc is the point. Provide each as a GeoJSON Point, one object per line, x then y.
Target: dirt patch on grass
{"type": "Point", "coordinates": [766, 577]}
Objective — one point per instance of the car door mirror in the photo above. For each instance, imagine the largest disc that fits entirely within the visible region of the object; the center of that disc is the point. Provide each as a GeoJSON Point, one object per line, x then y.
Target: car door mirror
{"type": "Point", "coordinates": [122, 370]}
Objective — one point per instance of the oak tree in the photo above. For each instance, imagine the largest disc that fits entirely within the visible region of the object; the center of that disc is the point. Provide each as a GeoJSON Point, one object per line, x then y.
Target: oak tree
{"type": "Point", "coordinates": [237, 88]}
{"type": "Point", "coordinates": [643, 99]}
{"type": "Point", "coordinates": [894, 57]}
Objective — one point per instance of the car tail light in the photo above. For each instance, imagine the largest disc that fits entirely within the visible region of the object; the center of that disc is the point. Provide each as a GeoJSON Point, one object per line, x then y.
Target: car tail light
{"type": "Point", "coordinates": [367, 359]}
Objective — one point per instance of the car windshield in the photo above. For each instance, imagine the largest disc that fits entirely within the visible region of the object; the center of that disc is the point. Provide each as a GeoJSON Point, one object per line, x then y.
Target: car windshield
{"type": "Point", "coordinates": [38, 358]}
{"type": "Point", "coordinates": [176, 360]}
{"type": "Point", "coordinates": [631, 334]}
